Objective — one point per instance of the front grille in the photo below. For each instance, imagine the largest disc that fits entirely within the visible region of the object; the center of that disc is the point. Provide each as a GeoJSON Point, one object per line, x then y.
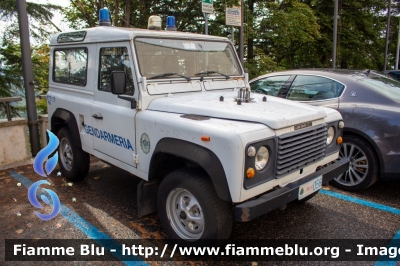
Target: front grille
{"type": "Point", "coordinates": [298, 149]}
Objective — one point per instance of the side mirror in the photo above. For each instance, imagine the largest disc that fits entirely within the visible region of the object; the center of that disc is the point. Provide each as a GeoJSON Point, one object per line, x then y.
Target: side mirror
{"type": "Point", "coordinates": [118, 82]}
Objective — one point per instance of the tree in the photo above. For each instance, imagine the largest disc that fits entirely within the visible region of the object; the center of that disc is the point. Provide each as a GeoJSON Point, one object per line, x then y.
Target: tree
{"type": "Point", "coordinates": [11, 81]}
{"type": "Point", "coordinates": [135, 13]}
{"type": "Point", "coordinates": [278, 34]}
{"type": "Point", "coordinates": [39, 15]}
{"type": "Point", "coordinates": [361, 31]}
{"type": "Point", "coordinates": [10, 70]}
{"type": "Point", "coordinates": [288, 32]}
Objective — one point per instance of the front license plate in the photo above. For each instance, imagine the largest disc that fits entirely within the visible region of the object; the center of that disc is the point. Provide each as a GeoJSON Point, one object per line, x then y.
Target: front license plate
{"type": "Point", "coordinates": [310, 187]}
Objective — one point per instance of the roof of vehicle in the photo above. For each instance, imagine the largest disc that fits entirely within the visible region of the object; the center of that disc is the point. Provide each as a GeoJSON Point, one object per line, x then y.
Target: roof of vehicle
{"type": "Point", "coordinates": [354, 79]}
{"type": "Point", "coordinates": [111, 34]}
{"type": "Point", "coordinates": [331, 73]}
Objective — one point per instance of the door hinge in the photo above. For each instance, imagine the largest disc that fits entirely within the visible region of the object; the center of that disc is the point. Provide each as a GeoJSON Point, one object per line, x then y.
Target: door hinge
{"type": "Point", "coordinates": [135, 158]}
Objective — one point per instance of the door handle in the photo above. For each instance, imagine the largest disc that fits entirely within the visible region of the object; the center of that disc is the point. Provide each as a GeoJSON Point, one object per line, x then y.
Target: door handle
{"type": "Point", "coordinates": [95, 116]}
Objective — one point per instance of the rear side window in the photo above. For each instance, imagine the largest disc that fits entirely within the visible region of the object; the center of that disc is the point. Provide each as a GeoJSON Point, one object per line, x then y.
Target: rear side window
{"type": "Point", "coordinates": [270, 85]}
{"type": "Point", "coordinates": [314, 88]}
{"type": "Point", "coordinates": [70, 66]}
{"type": "Point", "coordinates": [387, 87]}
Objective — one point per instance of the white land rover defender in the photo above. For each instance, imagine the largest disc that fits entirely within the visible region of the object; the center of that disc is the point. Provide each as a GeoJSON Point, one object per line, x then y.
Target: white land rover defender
{"type": "Point", "coordinates": [175, 109]}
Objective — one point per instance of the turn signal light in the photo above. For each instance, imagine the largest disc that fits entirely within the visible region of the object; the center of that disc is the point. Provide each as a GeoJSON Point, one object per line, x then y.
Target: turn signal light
{"type": "Point", "coordinates": [250, 172]}
{"type": "Point", "coordinates": [205, 138]}
{"type": "Point", "coordinates": [339, 140]}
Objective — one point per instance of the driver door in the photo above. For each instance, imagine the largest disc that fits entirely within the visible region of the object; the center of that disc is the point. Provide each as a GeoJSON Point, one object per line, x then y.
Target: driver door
{"type": "Point", "coordinates": [113, 119]}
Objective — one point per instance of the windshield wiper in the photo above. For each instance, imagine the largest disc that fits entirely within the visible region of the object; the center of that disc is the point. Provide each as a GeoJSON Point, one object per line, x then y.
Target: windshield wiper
{"type": "Point", "coordinates": [212, 72]}
{"type": "Point", "coordinates": [170, 74]}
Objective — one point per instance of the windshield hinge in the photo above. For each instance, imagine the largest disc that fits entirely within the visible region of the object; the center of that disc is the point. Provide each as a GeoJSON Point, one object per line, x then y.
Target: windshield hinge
{"type": "Point", "coordinates": [135, 158]}
{"type": "Point", "coordinates": [144, 83]}
{"type": "Point", "coordinates": [138, 105]}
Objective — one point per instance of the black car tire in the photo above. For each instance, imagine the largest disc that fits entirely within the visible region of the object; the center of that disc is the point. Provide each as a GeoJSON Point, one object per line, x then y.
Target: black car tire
{"type": "Point", "coordinates": [192, 188]}
{"type": "Point", "coordinates": [73, 161]}
{"type": "Point", "coordinates": [361, 149]}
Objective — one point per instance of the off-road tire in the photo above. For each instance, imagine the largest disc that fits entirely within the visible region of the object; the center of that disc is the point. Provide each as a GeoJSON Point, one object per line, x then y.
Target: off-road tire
{"type": "Point", "coordinates": [79, 167]}
{"type": "Point", "coordinates": [215, 212]}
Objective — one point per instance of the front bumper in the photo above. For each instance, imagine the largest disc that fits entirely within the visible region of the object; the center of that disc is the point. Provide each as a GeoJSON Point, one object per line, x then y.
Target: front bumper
{"type": "Point", "coordinates": [251, 209]}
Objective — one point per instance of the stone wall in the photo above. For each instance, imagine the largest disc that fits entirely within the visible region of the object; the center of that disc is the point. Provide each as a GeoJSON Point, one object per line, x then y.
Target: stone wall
{"type": "Point", "coordinates": [14, 141]}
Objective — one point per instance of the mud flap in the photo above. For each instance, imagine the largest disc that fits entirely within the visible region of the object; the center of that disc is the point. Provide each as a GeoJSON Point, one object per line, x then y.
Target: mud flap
{"type": "Point", "coordinates": [147, 197]}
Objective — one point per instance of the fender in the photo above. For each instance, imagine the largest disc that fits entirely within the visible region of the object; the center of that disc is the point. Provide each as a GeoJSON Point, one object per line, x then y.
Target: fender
{"type": "Point", "coordinates": [69, 119]}
{"type": "Point", "coordinates": [370, 141]}
{"type": "Point", "coordinates": [199, 155]}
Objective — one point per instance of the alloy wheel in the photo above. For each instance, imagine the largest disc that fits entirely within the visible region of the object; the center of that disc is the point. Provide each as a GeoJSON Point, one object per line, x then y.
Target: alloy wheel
{"type": "Point", "coordinates": [358, 167]}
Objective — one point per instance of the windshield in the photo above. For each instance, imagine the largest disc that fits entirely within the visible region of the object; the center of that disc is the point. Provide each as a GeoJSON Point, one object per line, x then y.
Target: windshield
{"type": "Point", "coordinates": [385, 86]}
{"type": "Point", "coordinates": [384, 79]}
{"type": "Point", "coordinates": [159, 58]}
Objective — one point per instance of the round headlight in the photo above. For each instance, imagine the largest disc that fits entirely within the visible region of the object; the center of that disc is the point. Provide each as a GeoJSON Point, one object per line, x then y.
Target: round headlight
{"type": "Point", "coordinates": [341, 124]}
{"type": "Point", "coordinates": [331, 134]}
{"type": "Point", "coordinates": [251, 151]}
{"type": "Point", "coordinates": [262, 158]}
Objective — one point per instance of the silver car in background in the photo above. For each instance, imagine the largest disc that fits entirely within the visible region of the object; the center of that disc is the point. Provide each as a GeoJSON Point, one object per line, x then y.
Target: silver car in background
{"type": "Point", "coordinates": [370, 107]}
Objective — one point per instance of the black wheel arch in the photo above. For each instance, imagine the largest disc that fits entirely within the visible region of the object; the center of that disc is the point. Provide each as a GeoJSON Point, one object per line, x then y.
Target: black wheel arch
{"type": "Point", "coordinates": [369, 140]}
{"type": "Point", "coordinates": [62, 117]}
{"type": "Point", "coordinates": [198, 155]}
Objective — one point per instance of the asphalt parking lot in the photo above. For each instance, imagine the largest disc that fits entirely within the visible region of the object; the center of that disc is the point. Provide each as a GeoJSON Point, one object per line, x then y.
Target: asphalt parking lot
{"type": "Point", "coordinates": [104, 204]}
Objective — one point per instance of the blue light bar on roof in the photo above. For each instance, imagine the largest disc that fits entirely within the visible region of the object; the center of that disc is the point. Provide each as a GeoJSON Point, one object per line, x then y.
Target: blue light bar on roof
{"type": "Point", "coordinates": [170, 23]}
{"type": "Point", "coordinates": [104, 17]}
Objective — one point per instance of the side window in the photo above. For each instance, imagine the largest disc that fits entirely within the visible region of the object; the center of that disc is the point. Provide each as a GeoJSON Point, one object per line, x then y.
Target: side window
{"type": "Point", "coordinates": [313, 88]}
{"type": "Point", "coordinates": [115, 59]}
{"type": "Point", "coordinates": [270, 85]}
{"type": "Point", "coordinates": [70, 66]}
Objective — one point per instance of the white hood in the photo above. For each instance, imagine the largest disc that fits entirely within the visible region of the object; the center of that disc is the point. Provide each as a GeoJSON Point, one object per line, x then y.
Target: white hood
{"type": "Point", "coordinates": [275, 113]}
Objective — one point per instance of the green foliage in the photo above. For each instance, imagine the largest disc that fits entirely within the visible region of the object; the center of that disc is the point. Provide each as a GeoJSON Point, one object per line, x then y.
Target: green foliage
{"type": "Point", "coordinates": [261, 64]}
{"type": "Point", "coordinates": [10, 69]}
{"type": "Point", "coordinates": [40, 64]}
{"type": "Point", "coordinates": [11, 79]}
{"type": "Point", "coordinates": [41, 106]}
{"type": "Point", "coordinates": [82, 13]}
{"type": "Point", "coordinates": [39, 16]}
{"type": "Point", "coordinates": [289, 31]}
{"type": "Point", "coordinates": [279, 35]}
{"type": "Point", "coordinates": [361, 33]}
{"type": "Point", "coordinates": [11, 76]}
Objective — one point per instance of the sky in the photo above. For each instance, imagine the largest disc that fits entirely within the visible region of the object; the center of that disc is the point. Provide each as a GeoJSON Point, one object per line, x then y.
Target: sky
{"type": "Point", "coordinates": [54, 2]}
{"type": "Point", "coordinates": [57, 19]}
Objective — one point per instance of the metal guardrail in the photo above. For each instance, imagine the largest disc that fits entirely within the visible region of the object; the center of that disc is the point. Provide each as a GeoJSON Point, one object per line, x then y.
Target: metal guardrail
{"type": "Point", "coordinates": [7, 102]}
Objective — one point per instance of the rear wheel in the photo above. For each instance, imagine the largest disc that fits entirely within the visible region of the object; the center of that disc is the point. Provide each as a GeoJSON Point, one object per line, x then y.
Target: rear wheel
{"type": "Point", "coordinates": [189, 208]}
{"type": "Point", "coordinates": [363, 168]}
{"type": "Point", "coordinates": [73, 161]}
